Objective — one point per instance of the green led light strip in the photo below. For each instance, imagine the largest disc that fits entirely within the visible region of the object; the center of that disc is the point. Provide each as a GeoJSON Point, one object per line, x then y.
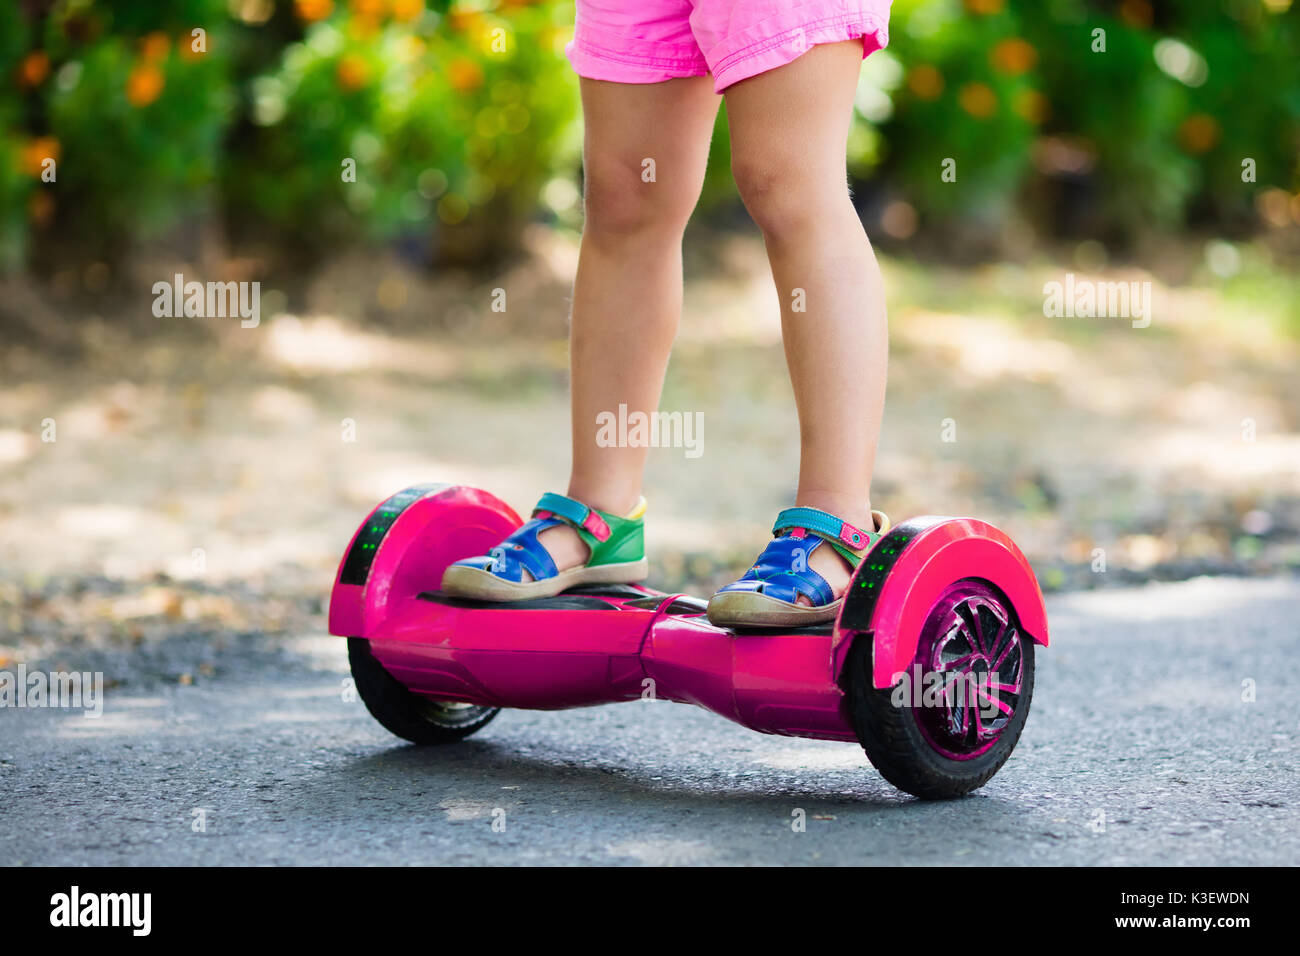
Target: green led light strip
{"type": "Point", "coordinates": [356, 566]}
{"type": "Point", "coordinates": [860, 600]}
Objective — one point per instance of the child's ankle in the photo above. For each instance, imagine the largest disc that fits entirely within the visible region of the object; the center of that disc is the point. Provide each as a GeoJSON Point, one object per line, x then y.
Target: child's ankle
{"type": "Point", "coordinates": [617, 503]}
{"type": "Point", "coordinates": [856, 511]}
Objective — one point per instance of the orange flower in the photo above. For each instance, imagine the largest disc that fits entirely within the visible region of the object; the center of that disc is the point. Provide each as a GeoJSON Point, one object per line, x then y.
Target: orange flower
{"type": "Point", "coordinates": [34, 68]}
{"type": "Point", "coordinates": [154, 46]}
{"type": "Point", "coordinates": [464, 75]}
{"type": "Point", "coordinates": [466, 20]}
{"type": "Point", "coordinates": [144, 85]}
{"type": "Point", "coordinates": [1199, 133]}
{"type": "Point", "coordinates": [311, 10]}
{"type": "Point", "coordinates": [37, 151]}
{"type": "Point", "coordinates": [985, 7]}
{"type": "Point", "coordinates": [925, 82]}
{"type": "Point", "coordinates": [373, 9]}
{"type": "Point", "coordinates": [352, 72]}
{"type": "Point", "coordinates": [978, 99]}
{"type": "Point", "coordinates": [405, 11]}
{"type": "Point", "coordinates": [1013, 56]}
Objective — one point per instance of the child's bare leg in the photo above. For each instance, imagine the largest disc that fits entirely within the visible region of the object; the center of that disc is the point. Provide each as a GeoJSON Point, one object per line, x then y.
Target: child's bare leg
{"type": "Point", "coordinates": [789, 130]}
{"type": "Point", "coordinates": [627, 296]}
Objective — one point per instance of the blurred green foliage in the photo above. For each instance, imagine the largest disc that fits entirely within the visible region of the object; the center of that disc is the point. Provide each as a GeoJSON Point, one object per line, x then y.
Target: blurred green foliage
{"type": "Point", "coordinates": [308, 122]}
{"type": "Point", "coordinates": [398, 120]}
{"type": "Point", "coordinates": [1095, 118]}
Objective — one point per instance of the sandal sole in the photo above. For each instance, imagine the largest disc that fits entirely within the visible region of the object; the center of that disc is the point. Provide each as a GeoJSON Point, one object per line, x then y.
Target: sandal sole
{"type": "Point", "coordinates": [751, 609]}
{"type": "Point", "coordinates": [460, 581]}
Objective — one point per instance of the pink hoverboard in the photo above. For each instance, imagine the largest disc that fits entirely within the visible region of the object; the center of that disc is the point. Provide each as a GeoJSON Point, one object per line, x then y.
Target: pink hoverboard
{"type": "Point", "coordinates": [930, 665]}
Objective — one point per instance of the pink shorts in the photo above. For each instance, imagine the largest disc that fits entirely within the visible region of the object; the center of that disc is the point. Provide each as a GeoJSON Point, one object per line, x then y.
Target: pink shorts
{"type": "Point", "coordinates": [648, 41]}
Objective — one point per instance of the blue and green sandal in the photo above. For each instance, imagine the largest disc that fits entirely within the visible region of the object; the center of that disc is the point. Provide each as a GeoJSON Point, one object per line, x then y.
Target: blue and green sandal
{"type": "Point", "coordinates": [768, 594]}
{"type": "Point", "coordinates": [617, 555]}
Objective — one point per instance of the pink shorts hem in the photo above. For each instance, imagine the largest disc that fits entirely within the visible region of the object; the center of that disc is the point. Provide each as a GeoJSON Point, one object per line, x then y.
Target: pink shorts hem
{"type": "Point", "coordinates": [593, 60]}
{"type": "Point", "coordinates": [614, 55]}
{"type": "Point", "coordinates": [772, 44]}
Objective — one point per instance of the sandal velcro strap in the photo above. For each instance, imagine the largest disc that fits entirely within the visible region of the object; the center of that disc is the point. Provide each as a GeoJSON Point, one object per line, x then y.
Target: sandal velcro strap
{"type": "Point", "coordinates": [574, 512]}
{"type": "Point", "coordinates": [825, 524]}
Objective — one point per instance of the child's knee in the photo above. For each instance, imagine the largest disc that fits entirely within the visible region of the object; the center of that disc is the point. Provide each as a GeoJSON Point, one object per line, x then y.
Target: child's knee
{"type": "Point", "coordinates": [629, 199]}
{"type": "Point", "coordinates": [783, 195]}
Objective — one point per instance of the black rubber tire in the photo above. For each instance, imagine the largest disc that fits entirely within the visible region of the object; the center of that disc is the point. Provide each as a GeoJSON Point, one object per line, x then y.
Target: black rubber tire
{"type": "Point", "coordinates": [404, 713]}
{"type": "Point", "coordinates": [894, 743]}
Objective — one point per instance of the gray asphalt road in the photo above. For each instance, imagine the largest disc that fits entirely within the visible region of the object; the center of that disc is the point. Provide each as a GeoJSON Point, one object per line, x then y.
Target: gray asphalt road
{"type": "Point", "coordinates": [1140, 750]}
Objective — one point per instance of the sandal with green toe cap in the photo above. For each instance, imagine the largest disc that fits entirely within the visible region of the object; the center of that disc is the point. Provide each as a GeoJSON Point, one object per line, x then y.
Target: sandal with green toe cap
{"type": "Point", "coordinates": [768, 594]}
{"type": "Point", "coordinates": [617, 546]}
